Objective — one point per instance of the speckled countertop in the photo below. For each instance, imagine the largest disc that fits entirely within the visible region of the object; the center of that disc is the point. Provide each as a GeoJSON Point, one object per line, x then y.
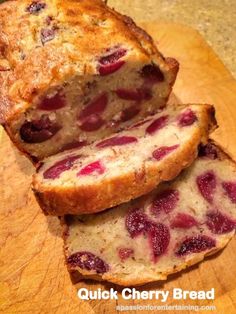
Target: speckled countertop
{"type": "Point", "coordinates": [214, 19]}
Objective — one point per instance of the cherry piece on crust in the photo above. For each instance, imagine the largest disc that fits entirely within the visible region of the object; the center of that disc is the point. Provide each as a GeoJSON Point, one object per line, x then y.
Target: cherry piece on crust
{"type": "Point", "coordinates": [35, 7]}
{"type": "Point", "coordinates": [47, 34]}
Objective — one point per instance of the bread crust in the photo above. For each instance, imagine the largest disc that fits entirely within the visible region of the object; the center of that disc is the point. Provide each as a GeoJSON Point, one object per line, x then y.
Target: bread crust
{"type": "Point", "coordinates": [33, 67]}
{"type": "Point", "coordinates": [122, 279]}
{"type": "Point", "coordinates": [77, 276]}
{"type": "Point", "coordinates": [97, 197]}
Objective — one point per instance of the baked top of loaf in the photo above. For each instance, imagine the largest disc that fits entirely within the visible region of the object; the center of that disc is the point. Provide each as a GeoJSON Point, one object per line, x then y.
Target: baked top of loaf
{"type": "Point", "coordinates": [62, 57]}
{"type": "Point", "coordinates": [171, 228]}
{"type": "Point", "coordinates": [125, 165]}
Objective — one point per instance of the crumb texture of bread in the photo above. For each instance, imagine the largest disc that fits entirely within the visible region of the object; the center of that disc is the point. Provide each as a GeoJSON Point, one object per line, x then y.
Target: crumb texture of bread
{"type": "Point", "coordinates": [76, 71]}
{"type": "Point", "coordinates": [125, 165]}
{"type": "Point", "coordinates": [175, 226]}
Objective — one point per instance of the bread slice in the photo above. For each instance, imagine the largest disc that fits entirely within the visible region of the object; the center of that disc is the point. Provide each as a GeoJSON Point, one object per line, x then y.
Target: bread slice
{"type": "Point", "coordinates": [79, 71]}
{"type": "Point", "coordinates": [124, 166]}
{"type": "Point", "coordinates": [171, 228]}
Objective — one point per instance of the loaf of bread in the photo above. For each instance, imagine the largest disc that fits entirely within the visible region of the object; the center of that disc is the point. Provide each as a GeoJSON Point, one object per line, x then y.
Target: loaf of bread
{"type": "Point", "coordinates": [171, 228]}
{"type": "Point", "coordinates": [124, 166]}
{"type": "Point", "coordinates": [77, 71]}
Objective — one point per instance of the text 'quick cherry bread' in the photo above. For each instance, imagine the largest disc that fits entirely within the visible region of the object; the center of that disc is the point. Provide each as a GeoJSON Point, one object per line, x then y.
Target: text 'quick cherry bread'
{"type": "Point", "coordinates": [77, 71]}
{"type": "Point", "coordinates": [125, 165]}
{"type": "Point", "coordinates": [161, 233]}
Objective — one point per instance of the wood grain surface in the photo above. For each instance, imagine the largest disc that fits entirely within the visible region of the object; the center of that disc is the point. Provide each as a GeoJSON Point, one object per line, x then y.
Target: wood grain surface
{"type": "Point", "coordinates": [33, 277]}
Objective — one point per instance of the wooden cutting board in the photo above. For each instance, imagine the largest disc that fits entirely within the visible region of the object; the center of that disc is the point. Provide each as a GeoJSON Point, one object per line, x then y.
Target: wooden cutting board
{"type": "Point", "coordinates": [33, 278]}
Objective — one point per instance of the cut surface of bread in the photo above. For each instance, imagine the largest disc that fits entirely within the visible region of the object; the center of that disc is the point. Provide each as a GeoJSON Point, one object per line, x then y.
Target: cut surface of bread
{"type": "Point", "coordinates": [124, 166]}
{"type": "Point", "coordinates": [163, 232]}
{"type": "Point", "coordinates": [77, 71]}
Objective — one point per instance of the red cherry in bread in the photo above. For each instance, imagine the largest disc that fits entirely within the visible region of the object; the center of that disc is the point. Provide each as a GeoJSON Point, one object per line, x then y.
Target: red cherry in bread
{"type": "Point", "coordinates": [219, 223]}
{"type": "Point", "coordinates": [128, 94]}
{"type": "Point", "coordinates": [89, 261]}
{"type": "Point", "coordinates": [230, 190]}
{"type": "Point", "coordinates": [152, 74]}
{"type": "Point", "coordinates": [92, 168]}
{"type": "Point", "coordinates": [159, 239]}
{"type": "Point", "coordinates": [129, 113]}
{"type": "Point", "coordinates": [38, 131]}
{"type": "Point", "coordinates": [58, 168]}
{"type": "Point", "coordinates": [111, 62]}
{"type": "Point", "coordinates": [136, 222]}
{"type": "Point", "coordinates": [158, 234]}
{"type": "Point", "coordinates": [125, 253]}
{"type": "Point", "coordinates": [138, 124]}
{"type": "Point", "coordinates": [206, 183]}
{"type": "Point", "coordinates": [163, 151]}
{"type": "Point", "coordinates": [92, 123]}
{"type": "Point", "coordinates": [55, 102]}
{"type": "Point", "coordinates": [73, 145]}
{"type": "Point", "coordinates": [183, 221]}
{"type": "Point", "coordinates": [117, 141]}
{"type": "Point", "coordinates": [195, 244]}
{"type": "Point", "coordinates": [138, 94]}
{"type": "Point", "coordinates": [165, 202]}
{"type": "Point", "coordinates": [188, 117]}
{"type": "Point", "coordinates": [96, 106]}
{"type": "Point", "coordinates": [157, 124]}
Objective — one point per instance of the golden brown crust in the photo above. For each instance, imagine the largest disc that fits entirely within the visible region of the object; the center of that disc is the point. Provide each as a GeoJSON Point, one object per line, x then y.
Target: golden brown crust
{"type": "Point", "coordinates": [34, 67]}
{"type": "Point", "coordinates": [142, 36]}
{"type": "Point", "coordinates": [39, 68]}
{"type": "Point", "coordinates": [97, 197]}
{"type": "Point", "coordinates": [77, 276]}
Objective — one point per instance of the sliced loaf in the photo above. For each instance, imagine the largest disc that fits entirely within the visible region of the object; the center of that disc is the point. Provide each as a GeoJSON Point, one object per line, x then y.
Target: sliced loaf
{"type": "Point", "coordinates": [173, 227]}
